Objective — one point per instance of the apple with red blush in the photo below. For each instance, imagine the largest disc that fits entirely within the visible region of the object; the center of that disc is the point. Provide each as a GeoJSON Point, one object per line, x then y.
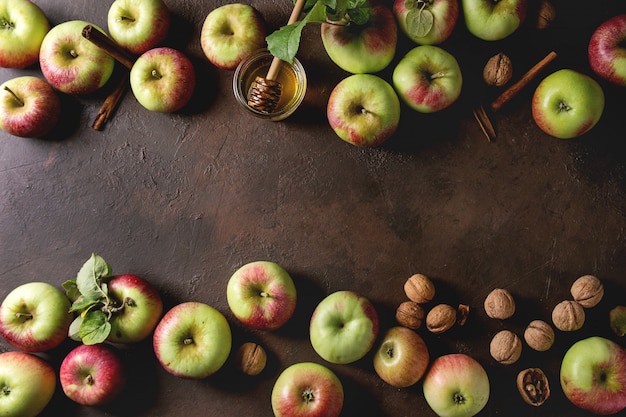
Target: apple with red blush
{"type": "Point", "coordinates": [607, 50]}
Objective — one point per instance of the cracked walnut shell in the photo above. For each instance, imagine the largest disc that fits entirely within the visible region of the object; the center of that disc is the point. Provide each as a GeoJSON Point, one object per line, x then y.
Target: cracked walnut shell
{"type": "Point", "coordinates": [498, 70]}
{"type": "Point", "coordinates": [506, 347]}
{"type": "Point", "coordinates": [251, 358]}
{"type": "Point", "coordinates": [533, 386]}
{"type": "Point", "coordinates": [587, 290]}
{"type": "Point", "coordinates": [499, 304]}
{"type": "Point", "coordinates": [419, 288]}
{"type": "Point", "coordinates": [568, 316]}
{"type": "Point", "coordinates": [410, 314]}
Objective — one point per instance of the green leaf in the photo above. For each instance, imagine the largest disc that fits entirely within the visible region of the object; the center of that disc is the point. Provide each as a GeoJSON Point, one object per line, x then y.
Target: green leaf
{"type": "Point", "coordinates": [82, 304]}
{"type": "Point", "coordinates": [284, 43]}
{"type": "Point", "coordinates": [90, 277]}
{"type": "Point", "coordinates": [71, 289]}
{"type": "Point", "coordinates": [412, 4]}
{"type": "Point", "coordinates": [95, 328]}
{"type": "Point", "coordinates": [419, 22]}
{"type": "Point", "coordinates": [74, 331]}
{"type": "Point", "coordinates": [360, 15]}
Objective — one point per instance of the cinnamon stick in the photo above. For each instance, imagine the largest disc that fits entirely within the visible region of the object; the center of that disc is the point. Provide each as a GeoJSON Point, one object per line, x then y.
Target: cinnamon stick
{"type": "Point", "coordinates": [108, 45]}
{"type": "Point", "coordinates": [110, 103]}
{"type": "Point", "coordinates": [484, 123]}
{"type": "Point", "coordinates": [512, 91]}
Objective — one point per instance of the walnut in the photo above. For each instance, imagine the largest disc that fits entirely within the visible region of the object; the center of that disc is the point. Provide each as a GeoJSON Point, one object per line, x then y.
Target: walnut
{"type": "Point", "coordinates": [462, 314]}
{"type": "Point", "coordinates": [499, 304]}
{"type": "Point", "coordinates": [506, 347]}
{"type": "Point", "coordinates": [441, 318]}
{"type": "Point", "coordinates": [617, 320]}
{"type": "Point", "coordinates": [545, 15]}
{"type": "Point", "coordinates": [587, 290]}
{"type": "Point", "coordinates": [251, 358]}
{"type": "Point", "coordinates": [539, 335]}
{"type": "Point", "coordinates": [410, 314]}
{"type": "Point", "coordinates": [533, 386]}
{"type": "Point", "coordinates": [498, 70]}
{"type": "Point", "coordinates": [568, 316]}
{"type": "Point", "coordinates": [419, 288]}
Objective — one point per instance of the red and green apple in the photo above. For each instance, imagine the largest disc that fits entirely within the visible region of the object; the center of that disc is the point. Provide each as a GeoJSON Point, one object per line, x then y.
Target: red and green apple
{"type": "Point", "coordinates": [607, 50]}
{"type": "Point", "coordinates": [493, 20]}
{"type": "Point", "coordinates": [427, 22]}
{"type": "Point", "coordinates": [138, 25]}
{"type": "Point", "coordinates": [23, 26]}
{"type": "Point", "coordinates": [401, 358]}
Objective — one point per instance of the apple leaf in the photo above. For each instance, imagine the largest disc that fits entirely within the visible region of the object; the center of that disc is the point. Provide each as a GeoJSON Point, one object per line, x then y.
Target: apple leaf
{"type": "Point", "coordinates": [71, 289]}
{"type": "Point", "coordinates": [419, 22]}
{"type": "Point", "coordinates": [89, 278]}
{"type": "Point", "coordinates": [94, 328]}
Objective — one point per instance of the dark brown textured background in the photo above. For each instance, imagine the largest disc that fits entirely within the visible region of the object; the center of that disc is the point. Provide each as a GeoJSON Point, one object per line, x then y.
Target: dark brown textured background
{"type": "Point", "coordinates": [185, 199]}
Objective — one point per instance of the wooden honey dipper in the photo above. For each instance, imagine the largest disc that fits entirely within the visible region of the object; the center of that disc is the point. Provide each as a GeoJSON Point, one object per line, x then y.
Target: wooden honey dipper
{"type": "Point", "coordinates": [264, 93]}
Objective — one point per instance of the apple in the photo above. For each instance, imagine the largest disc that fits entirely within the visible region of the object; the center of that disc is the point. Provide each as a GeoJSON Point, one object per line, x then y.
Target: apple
{"type": "Point", "coordinates": [23, 25]}
{"type": "Point", "coordinates": [307, 389]}
{"type": "Point", "coordinates": [34, 317]}
{"type": "Point", "coordinates": [231, 33]}
{"type": "Point", "coordinates": [343, 327]}
{"type": "Point", "coordinates": [141, 312]}
{"type": "Point", "coordinates": [261, 295]}
{"type": "Point", "coordinates": [163, 80]}
{"type": "Point", "coordinates": [27, 384]}
{"type": "Point", "coordinates": [29, 107]}
{"type": "Point", "coordinates": [567, 104]}
{"type": "Point", "coordinates": [92, 375]}
{"type": "Point", "coordinates": [138, 25]}
{"type": "Point", "coordinates": [593, 375]}
{"type": "Point", "coordinates": [401, 358]}
{"type": "Point", "coordinates": [427, 22]}
{"type": "Point", "coordinates": [71, 63]}
{"type": "Point", "coordinates": [192, 340]}
{"type": "Point", "coordinates": [364, 110]}
{"type": "Point", "coordinates": [367, 48]}
{"type": "Point", "coordinates": [607, 50]}
{"type": "Point", "coordinates": [493, 20]}
{"type": "Point", "coordinates": [456, 385]}
{"type": "Point", "coordinates": [428, 79]}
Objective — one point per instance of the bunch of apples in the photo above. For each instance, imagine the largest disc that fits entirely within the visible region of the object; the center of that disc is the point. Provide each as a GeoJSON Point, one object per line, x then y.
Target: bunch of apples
{"type": "Point", "coordinates": [162, 79]}
{"type": "Point", "coordinates": [364, 110]}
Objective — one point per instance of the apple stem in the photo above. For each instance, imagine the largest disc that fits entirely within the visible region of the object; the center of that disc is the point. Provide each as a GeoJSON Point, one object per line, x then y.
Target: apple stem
{"type": "Point", "coordinates": [188, 341]}
{"type": "Point", "coordinates": [73, 53]}
{"type": "Point", "coordinates": [438, 74]}
{"type": "Point", "coordinates": [308, 395]}
{"type": "Point", "coordinates": [19, 100]}
{"type": "Point", "coordinates": [264, 294]}
{"type": "Point", "coordinates": [564, 107]}
{"type": "Point", "coordinates": [156, 74]}
{"type": "Point", "coordinates": [122, 18]}
{"type": "Point", "coordinates": [27, 316]}
{"type": "Point", "coordinates": [89, 380]}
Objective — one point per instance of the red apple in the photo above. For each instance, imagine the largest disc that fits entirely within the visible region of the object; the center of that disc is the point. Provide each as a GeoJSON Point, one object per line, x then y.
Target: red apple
{"type": "Point", "coordinates": [593, 375]}
{"type": "Point", "coordinates": [29, 107]}
{"type": "Point", "coordinates": [607, 50]}
{"type": "Point", "coordinates": [307, 389]}
{"type": "Point", "coordinates": [401, 358]}
{"type": "Point", "coordinates": [366, 48]}
{"type": "Point", "coordinates": [92, 374]}
{"type": "Point", "coordinates": [262, 295]}
{"type": "Point", "coordinates": [411, 20]}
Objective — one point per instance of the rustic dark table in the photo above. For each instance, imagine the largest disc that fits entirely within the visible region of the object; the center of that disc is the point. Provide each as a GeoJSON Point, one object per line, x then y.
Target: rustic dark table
{"type": "Point", "coordinates": [185, 199]}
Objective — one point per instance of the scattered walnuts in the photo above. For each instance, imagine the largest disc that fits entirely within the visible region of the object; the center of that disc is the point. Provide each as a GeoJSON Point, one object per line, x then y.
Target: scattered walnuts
{"type": "Point", "coordinates": [498, 70]}
{"type": "Point", "coordinates": [568, 316]}
{"type": "Point", "coordinates": [441, 318]}
{"type": "Point", "coordinates": [539, 335]}
{"type": "Point", "coordinates": [410, 314]}
{"type": "Point", "coordinates": [587, 290]}
{"type": "Point", "coordinates": [419, 288]}
{"type": "Point", "coordinates": [251, 358]}
{"type": "Point", "coordinates": [533, 386]}
{"type": "Point", "coordinates": [506, 347]}
{"type": "Point", "coordinates": [499, 304]}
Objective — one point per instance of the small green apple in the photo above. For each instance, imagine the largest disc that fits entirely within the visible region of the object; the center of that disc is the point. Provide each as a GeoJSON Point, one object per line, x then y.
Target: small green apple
{"type": "Point", "coordinates": [23, 25]}
{"type": "Point", "coordinates": [493, 20]}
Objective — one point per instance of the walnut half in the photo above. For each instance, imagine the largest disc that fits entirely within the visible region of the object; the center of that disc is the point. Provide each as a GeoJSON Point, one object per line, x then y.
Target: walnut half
{"type": "Point", "coordinates": [533, 386]}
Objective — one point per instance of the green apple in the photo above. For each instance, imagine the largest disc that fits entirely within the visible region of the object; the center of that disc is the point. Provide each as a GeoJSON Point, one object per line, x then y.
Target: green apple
{"type": "Point", "coordinates": [231, 33]}
{"type": "Point", "coordinates": [27, 384]}
{"type": "Point", "coordinates": [401, 358]}
{"type": "Point", "coordinates": [366, 48]}
{"type": "Point", "coordinates": [456, 385]}
{"type": "Point", "coordinates": [567, 104]}
{"type": "Point", "coordinates": [192, 340]}
{"type": "Point", "coordinates": [29, 107]}
{"type": "Point", "coordinates": [23, 25]}
{"type": "Point", "coordinates": [427, 22]}
{"type": "Point", "coordinates": [493, 20]}
{"type": "Point", "coordinates": [163, 80]}
{"type": "Point", "coordinates": [71, 63]}
{"type": "Point", "coordinates": [343, 327]}
{"type": "Point", "coordinates": [138, 25]}
{"type": "Point", "coordinates": [364, 110]}
{"type": "Point", "coordinates": [428, 79]}
{"type": "Point", "coordinates": [593, 375]}
{"type": "Point", "coordinates": [34, 317]}
{"type": "Point", "coordinates": [307, 389]}
{"type": "Point", "coordinates": [261, 295]}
